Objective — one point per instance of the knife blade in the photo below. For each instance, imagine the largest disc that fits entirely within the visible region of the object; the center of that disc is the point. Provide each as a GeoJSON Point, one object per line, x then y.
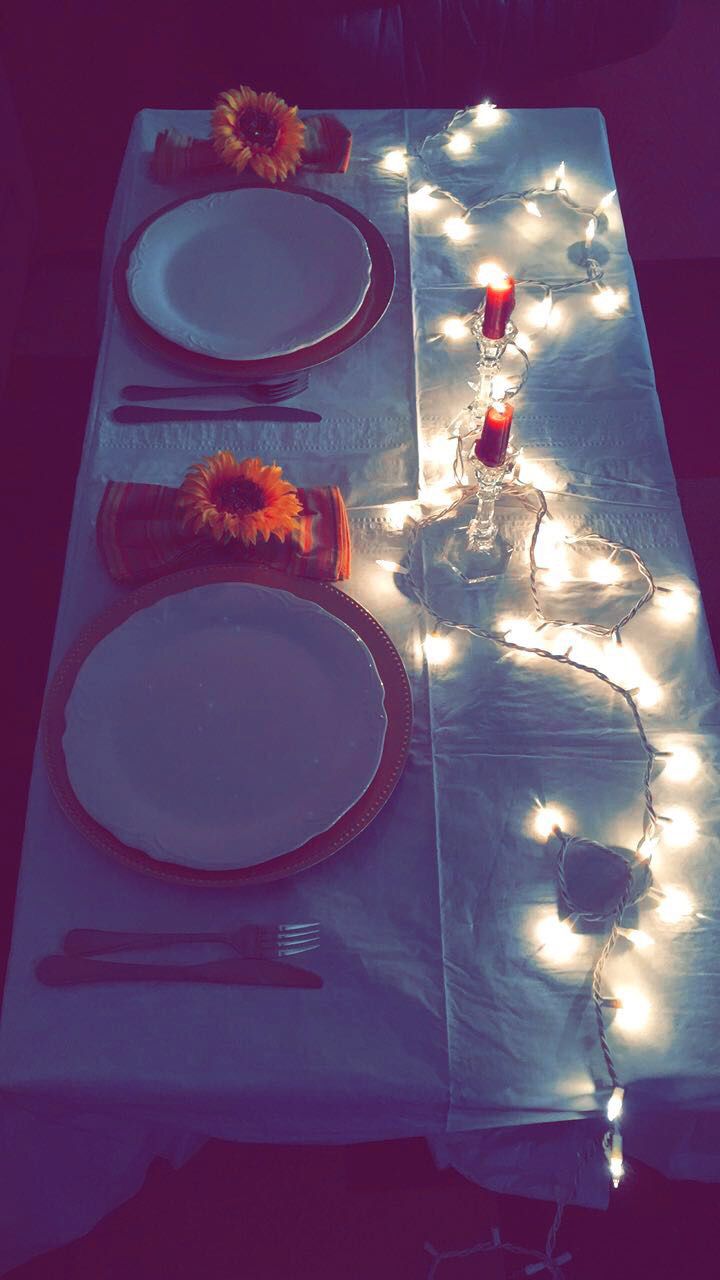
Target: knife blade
{"type": "Point", "coordinates": [62, 971]}
{"type": "Point", "coordinates": [133, 414]}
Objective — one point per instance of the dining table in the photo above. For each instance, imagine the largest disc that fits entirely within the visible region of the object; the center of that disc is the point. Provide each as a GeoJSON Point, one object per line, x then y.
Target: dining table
{"type": "Point", "coordinates": [441, 1014]}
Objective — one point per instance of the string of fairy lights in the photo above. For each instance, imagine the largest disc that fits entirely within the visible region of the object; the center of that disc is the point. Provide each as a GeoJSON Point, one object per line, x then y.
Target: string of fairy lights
{"type": "Point", "coordinates": [596, 651]}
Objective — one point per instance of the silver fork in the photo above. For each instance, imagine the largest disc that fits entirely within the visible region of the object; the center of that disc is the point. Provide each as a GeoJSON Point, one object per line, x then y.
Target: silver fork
{"type": "Point", "coordinates": [262, 941]}
{"type": "Point", "coordinates": [263, 392]}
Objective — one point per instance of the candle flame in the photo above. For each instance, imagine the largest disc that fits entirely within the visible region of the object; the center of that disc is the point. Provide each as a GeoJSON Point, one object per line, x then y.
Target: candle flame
{"type": "Point", "coordinates": [490, 273]}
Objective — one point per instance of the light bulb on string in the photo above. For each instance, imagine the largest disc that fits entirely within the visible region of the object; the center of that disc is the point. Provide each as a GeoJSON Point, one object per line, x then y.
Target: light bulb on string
{"type": "Point", "coordinates": [605, 202]}
{"type": "Point", "coordinates": [649, 694]}
{"type": "Point", "coordinates": [676, 604]}
{"type": "Point", "coordinates": [546, 818]}
{"type": "Point", "coordinates": [616, 1166]}
{"type": "Point", "coordinates": [607, 301]}
{"type": "Point", "coordinates": [532, 207]}
{"type": "Point", "coordinates": [637, 937]}
{"type": "Point", "coordinates": [437, 649]}
{"type": "Point", "coordinates": [647, 847]}
{"type": "Point", "coordinates": [394, 162]}
{"type": "Point", "coordinates": [532, 472]}
{"type": "Point", "coordinates": [557, 181]}
{"type": "Point", "coordinates": [457, 229]}
{"type": "Point", "coordinates": [421, 201]}
{"type": "Point", "coordinates": [544, 314]}
{"type": "Point", "coordinates": [675, 905]}
{"type": "Point", "coordinates": [633, 1010]}
{"type": "Point", "coordinates": [590, 230]}
{"type": "Point", "coordinates": [557, 938]}
{"type": "Point", "coordinates": [605, 572]}
{"type": "Point", "coordinates": [518, 631]}
{"type": "Point", "coordinates": [680, 830]}
{"type": "Point", "coordinates": [459, 144]}
{"type": "Point", "coordinates": [486, 115]}
{"type": "Point", "coordinates": [454, 328]}
{"type": "Point", "coordinates": [396, 513]}
{"type": "Point", "coordinates": [615, 1103]}
{"type": "Point", "coordinates": [621, 664]}
{"type": "Point", "coordinates": [683, 765]}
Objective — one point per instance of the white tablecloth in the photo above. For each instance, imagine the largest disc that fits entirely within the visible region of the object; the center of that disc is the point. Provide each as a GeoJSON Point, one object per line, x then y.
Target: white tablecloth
{"type": "Point", "coordinates": [439, 1015]}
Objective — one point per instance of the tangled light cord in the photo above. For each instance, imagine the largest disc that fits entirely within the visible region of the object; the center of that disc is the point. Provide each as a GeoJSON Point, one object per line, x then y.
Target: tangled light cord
{"type": "Point", "coordinates": [539, 1259]}
{"type": "Point", "coordinates": [458, 228]}
{"type": "Point", "coordinates": [611, 1142]}
{"type": "Point", "coordinates": [465, 426]}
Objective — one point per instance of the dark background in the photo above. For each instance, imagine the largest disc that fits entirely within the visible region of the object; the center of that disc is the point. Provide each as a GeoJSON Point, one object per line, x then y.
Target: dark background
{"type": "Point", "coordinates": [72, 75]}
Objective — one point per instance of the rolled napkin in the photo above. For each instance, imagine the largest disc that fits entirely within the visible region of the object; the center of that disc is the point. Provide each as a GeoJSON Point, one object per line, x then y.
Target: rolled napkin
{"type": "Point", "coordinates": [326, 149]}
{"type": "Point", "coordinates": [141, 536]}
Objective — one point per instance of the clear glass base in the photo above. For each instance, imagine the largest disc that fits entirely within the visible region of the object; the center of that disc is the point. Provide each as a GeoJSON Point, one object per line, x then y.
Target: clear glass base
{"type": "Point", "coordinates": [474, 560]}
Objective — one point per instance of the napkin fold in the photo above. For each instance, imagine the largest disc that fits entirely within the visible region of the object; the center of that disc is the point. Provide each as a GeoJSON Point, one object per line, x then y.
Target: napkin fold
{"type": "Point", "coordinates": [326, 149]}
{"type": "Point", "coordinates": [140, 537]}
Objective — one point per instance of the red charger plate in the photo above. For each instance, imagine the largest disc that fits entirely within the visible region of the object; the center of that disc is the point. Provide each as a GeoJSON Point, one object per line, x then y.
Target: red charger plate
{"type": "Point", "coordinates": [398, 708]}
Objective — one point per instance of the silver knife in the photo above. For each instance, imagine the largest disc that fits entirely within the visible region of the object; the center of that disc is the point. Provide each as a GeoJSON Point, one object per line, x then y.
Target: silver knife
{"type": "Point", "coordinates": [63, 971]}
{"type": "Point", "coordinates": [135, 413]}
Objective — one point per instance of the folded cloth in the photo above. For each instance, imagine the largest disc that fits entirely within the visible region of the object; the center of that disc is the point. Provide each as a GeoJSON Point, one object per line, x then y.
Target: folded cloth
{"type": "Point", "coordinates": [141, 537]}
{"type": "Point", "coordinates": [326, 149]}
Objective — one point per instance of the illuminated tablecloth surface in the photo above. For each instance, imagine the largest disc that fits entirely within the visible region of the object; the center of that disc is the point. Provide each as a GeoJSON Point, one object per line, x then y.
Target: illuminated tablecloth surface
{"type": "Point", "coordinates": [440, 1016]}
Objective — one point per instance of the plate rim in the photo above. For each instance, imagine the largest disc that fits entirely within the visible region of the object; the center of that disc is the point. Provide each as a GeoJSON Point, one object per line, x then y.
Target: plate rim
{"type": "Point", "coordinates": [369, 314]}
{"type": "Point", "coordinates": [398, 710]}
{"type": "Point", "coordinates": [173, 330]}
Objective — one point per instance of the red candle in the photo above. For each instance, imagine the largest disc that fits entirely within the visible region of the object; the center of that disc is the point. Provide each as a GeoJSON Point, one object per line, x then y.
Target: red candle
{"type": "Point", "coordinates": [491, 447]}
{"type": "Point", "coordinates": [499, 303]}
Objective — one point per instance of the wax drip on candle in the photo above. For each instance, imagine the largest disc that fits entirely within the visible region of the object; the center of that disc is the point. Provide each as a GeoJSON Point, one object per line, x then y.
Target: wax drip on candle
{"type": "Point", "coordinates": [499, 303]}
{"type": "Point", "coordinates": [491, 447]}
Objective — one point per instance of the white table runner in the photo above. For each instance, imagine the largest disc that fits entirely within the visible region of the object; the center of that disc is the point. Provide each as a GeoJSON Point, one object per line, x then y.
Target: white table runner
{"type": "Point", "coordinates": [439, 1016]}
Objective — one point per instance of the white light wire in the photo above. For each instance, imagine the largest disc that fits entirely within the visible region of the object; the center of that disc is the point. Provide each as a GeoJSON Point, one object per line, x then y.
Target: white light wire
{"type": "Point", "coordinates": [651, 820]}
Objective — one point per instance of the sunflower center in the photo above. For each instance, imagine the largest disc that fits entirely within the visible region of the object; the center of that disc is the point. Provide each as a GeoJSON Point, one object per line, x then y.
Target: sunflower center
{"type": "Point", "coordinates": [240, 495]}
{"type": "Point", "coordinates": [257, 127]}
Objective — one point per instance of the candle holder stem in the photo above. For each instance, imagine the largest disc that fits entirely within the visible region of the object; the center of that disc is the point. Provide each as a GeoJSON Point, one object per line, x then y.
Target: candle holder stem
{"type": "Point", "coordinates": [490, 354]}
{"type": "Point", "coordinates": [475, 550]}
{"type": "Point", "coordinates": [483, 530]}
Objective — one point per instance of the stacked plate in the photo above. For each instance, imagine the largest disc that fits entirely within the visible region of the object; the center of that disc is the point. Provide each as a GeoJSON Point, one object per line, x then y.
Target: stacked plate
{"type": "Point", "coordinates": [227, 725]}
{"type": "Point", "coordinates": [257, 279]}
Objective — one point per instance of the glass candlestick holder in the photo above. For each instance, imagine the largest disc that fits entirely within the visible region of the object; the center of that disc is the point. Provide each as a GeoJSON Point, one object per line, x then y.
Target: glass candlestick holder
{"type": "Point", "coordinates": [475, 550]}
{"type": "Point", "coordinates": [490, 354]}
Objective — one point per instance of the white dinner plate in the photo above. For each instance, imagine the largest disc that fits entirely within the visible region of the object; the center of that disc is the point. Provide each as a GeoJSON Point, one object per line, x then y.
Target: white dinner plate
{"type": "Point", "coordinates": [224, 725]}
{"type": "Point", "coordinates": [249, 274]}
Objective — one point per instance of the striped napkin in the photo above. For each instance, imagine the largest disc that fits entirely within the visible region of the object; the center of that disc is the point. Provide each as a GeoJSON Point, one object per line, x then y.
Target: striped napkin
{"type": "Point", "coordinates": [140, 537]}
{"type": "Point", "coordinates": [326, 149]}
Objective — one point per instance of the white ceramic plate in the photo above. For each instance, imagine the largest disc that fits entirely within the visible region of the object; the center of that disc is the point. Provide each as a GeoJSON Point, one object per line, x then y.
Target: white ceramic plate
{"type": "Point", "coordinates": [224, 726]}
{"type": "Point", "coordinates": [249, 274]}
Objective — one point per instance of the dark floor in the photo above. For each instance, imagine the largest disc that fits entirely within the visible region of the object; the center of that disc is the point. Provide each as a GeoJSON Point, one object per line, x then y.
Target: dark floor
{"type": "Point", "coordinates": [259, 1213]}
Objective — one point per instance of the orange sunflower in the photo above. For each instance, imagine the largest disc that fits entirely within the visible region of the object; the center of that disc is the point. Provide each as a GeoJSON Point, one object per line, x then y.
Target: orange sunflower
{"type": "Point", "coordinates": [257, 129]}
{"type": "Point", "coordinates": [238, 500]}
